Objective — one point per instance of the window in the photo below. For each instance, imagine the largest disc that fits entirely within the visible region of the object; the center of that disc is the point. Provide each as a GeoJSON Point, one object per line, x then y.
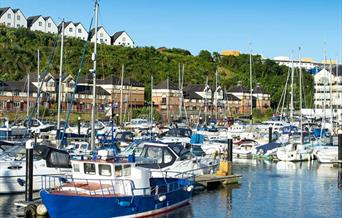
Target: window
{"type": "Point", "coordinates": [167, 156]}
{"type": "Point", "coordinates": [79, 30]}
{"type": "Point", "coordinates": [101, 34]}
{"type": "Point", "coordinates": [8, 24]}
{"type": "Point", "coordinates": [18, 17]}
{"type": "Point", "coordinates": [9, 16]}
{"type": "Point", "coordinates": [51, 83]}
{"type": "Point", "coordinates": [127, 170]}
{"type": "Point", "coordinates": [118, 171]}
{"type": "Point", "coordinates": [18, 25]}
{"type": "Point", "coordinates": [76, 168]}
{"type": "Point", "coordinates": [123, 38]}
{"type": "Point", "coordinates": [49, 24]}
{"type": "Point", "coordinates": [155, 153]}
{"type": "Point", "coordinates": [40, 23]}
{"type": "Point", "coordinates": [70, 29]}
{"type": "Point", "coordinates": [16, 93]}
{"type": "Point", "coordinates": [16, 104]}
{"type": "Point", "coordinates": [89, 168]}
{"type": "Point", "coordinates": [164, 100]}
{"type": "Point", "coordinates": [105, 170]}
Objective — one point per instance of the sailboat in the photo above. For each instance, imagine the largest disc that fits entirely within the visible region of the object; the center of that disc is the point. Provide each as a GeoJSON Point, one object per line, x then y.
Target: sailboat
{"type": "Point", "coordinates": [296, 150]}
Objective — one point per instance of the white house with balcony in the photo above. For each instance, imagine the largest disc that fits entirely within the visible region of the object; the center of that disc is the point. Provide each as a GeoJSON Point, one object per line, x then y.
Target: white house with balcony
{"type": "Point", "coordinates": [122, 39]}
{"type": "Point", "coordinates": [7, 17]}
{"type": "Point", "coordinates": [102, 36]}
{"type": "Point", "coordinates": [19, 19]}
{"type": "Point", "coordinates": [36, 23]}
{"type": "Point", "coordinates": [50, 25]}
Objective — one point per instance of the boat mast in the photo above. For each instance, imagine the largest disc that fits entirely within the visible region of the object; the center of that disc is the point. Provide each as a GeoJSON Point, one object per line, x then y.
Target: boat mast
{"type": "Point", "coordinates": [151, 106]}
{"type": "Point", "coordinates": [28, 95]}
{"type": "Point", "coordinates": [206, 101]}
{"type": "Point", "coordinates": [216, 97]}
{"type": "Point", "coordinates": [38, 78]}
{"type": "Point", "coordinates": [60, 80]}
{"type": "Point", "coordinates": [300, 98]}
{"type": "Point", "coordinates": [121, 92]}
{"type": "Point", "coordinates": [291, 103]}
{"type": "Point", "coordinates": [92, 143]}
{"type": "Point", "coordinates": [250, 81]}
{"type": "Point", "coordinates": [168, 99]}
{"type": "Point", "coordinates": [331, 100]}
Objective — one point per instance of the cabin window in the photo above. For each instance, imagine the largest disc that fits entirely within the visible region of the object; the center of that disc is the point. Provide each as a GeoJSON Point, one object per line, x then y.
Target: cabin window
{"type": "Point", "coordinates": [76, 168]}
{"type": "Point", "coordinates": [118, 171]}
{"type": "Point", "coordinates": [105, 170]}
{"type": "Point", "coordinates": [167, 156]}
{"type": "Point", "coordinates": [127, 170]}
{"type": "Point", "coordinates": [89, 168]}
{"type": "Point", "coordinates": [155, 153]}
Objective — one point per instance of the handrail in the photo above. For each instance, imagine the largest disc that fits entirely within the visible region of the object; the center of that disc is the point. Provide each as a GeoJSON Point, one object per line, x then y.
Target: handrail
{"type": "Point", "coordinates": [51, 186]}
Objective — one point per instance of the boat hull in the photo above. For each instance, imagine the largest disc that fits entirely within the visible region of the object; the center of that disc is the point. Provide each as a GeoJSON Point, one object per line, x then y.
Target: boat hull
{"type": "Point", "coordinates": [101, 206]}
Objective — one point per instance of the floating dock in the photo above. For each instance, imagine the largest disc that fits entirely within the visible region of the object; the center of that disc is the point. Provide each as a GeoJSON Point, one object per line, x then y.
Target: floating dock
{"type": "Point", "coordinates": [212, 181]}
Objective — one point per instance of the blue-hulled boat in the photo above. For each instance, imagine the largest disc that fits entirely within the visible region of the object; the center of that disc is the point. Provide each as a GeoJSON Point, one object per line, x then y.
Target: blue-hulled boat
{"type": "Point", "coordinates": [112, 188]}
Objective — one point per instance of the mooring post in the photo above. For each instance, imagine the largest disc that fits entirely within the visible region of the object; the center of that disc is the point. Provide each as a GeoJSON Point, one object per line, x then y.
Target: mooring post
{"type": "Point", "coordinates": [340, 147]}
{"type": "Point", "coordinates": [79, 125]}
{"type": "Point", "coordinates": [270, 134]}
{"type": "Point", "coordinates": [29, 169]}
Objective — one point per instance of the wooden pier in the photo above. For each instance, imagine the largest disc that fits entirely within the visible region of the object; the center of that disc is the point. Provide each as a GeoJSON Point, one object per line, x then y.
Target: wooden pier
{"type": "Point", "coordinates": [212, 181]}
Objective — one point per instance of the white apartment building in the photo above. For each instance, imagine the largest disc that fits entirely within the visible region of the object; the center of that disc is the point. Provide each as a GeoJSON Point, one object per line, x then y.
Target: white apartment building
{"type": "Point", "coordinates": [328, 88]}
{"type": "Point", "coordinates": [7, 17]}
{"type": "Point", "coordinates": [50, 26]}
{"type": "Point", "coordinates": [305, 63]}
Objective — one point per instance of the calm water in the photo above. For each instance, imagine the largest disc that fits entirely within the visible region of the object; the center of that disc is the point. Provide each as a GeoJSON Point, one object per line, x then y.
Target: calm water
{"type": "Point", "coordinates": [267, 190]}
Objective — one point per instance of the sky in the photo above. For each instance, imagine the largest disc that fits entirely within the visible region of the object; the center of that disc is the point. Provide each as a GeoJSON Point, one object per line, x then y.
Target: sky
{"type": "Point", "coordinates": [271, 27]}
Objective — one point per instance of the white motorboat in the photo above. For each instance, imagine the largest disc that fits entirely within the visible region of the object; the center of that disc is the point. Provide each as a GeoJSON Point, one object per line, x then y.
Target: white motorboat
{"type": "Point", "coordinates": [295, 152]}
{"type": "Point", "coordinates": [13, 170]}
{"type": "Point", "coordinates": [327, 154]}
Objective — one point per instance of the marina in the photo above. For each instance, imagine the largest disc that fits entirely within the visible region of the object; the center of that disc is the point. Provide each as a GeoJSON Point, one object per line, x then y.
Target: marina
{"type": "Point", "coordinates": [92, 124]}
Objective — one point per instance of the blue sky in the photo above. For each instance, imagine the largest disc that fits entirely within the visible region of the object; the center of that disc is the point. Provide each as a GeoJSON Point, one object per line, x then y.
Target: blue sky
{"type": "Point", "coordinates": [274, 27]}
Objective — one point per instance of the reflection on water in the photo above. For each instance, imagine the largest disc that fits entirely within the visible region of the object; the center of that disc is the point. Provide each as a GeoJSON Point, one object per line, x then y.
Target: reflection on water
{"type": "Point", "coordinates": [267, 189]}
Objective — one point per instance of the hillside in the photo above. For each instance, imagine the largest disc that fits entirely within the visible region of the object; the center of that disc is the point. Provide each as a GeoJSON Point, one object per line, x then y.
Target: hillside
{"type": "Point", "coordinates": [18, 55]}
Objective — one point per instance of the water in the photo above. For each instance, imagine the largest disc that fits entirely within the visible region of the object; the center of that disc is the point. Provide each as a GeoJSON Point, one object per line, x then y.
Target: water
{"type": "Point", "coordinates": [267, 189]}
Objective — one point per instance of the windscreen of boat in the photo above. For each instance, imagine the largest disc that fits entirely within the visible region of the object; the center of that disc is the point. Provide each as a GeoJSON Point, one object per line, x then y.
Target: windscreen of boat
{"type": "Point", "coordinates": [183, 153]}
{"type": "Point", "coordinates": [179, 132]}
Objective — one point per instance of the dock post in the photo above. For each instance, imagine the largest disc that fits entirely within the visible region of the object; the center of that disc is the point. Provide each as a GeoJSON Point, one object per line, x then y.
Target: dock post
{"type": "Point", "coordinates": [230, 150]}
{"type": "Point", "coordinates": [79, 125]}
{"type": "Point", "coordinates": [270, 132]}
{"type": "Point", "coordinates": [29, 169]}
{"type": "Point", "coordinates": [340, 147]}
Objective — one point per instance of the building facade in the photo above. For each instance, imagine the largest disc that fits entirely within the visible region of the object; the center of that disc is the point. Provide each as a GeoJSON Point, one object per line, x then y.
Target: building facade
{"type": "Point", "coordinates": [122, 39]}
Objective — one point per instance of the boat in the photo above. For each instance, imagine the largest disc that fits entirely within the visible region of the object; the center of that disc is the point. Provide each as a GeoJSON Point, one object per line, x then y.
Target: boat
{"type": "Point", "coordinates": [13, 170]}
{"type": "Point", "coordinates": [10, 132]}
{"type": "Point", "coordinates": [295, 152]}
{"type": "Point", "coordinates": [109, 187]}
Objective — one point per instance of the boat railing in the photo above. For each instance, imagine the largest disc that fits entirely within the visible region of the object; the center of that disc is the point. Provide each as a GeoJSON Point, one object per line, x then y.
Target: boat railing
{"type": "Point", "coordinates": [107, 187]}
{"type": "Point", "coordinates": [92, 187]}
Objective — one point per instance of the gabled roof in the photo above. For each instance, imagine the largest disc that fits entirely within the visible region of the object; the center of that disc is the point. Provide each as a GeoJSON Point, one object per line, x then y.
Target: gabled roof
{"type": "Point", "coordinates": [116, 35]}
{"type": "Point", "coordinates": [259, 90]}
{"type": "Point", "coordinates": [231, 97]}
{"type": "Point", "coordinates": [20, 86]}
{"type": "Point", "coordinates": [88, 90]}
{"type": "Point", "coordinates": [34, 77]}
{"type": "Point", "coordinates": [4, 10]}
{"type": "Point", "coordinates": [32, 19]}
{"type": "Point", "coordinates": [190, 91]}
{"type": "Point", "coordinates": [92, 31]}
{"type": "Point", "coordinates": [164, 85]}
{"type": "Point", "coordinates": [49, 17]}
{"type": "Point", "coordinates": [79, 23]}
{"type": "Point", "coordinates": [66, 23]}
{"type": "Point", "coordinates": [238, 89]}
{"type": "Point", "coordinates": [113, 80]}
